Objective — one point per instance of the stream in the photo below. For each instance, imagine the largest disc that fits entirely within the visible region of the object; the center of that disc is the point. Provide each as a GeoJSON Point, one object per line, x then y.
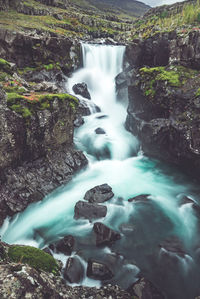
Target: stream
{"type": "Point", "coordinates": [115, 158]}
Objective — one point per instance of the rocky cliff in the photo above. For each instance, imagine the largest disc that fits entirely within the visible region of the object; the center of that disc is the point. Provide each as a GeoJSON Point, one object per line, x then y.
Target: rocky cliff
{"type": "Point", "coordinates": [164, 95]}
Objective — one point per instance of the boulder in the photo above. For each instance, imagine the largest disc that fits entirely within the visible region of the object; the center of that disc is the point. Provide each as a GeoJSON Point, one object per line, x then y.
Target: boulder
{"type": "Point", "coordinates": [100, 131]}
{"type": "Point", "coordinates": [81, 89]}
{"type": "Point", "coordinates": [97, 270]}
{"type": "Point", "coordinates": [89, 210]}
{"type": "Point", "coordinates": [104, 234]}
{"type": "Point", "coordinates": [140, 198]}
{"type": "Point", "coordinates": [99, 193]}
{"type": "Point", "coordinates": [144, 289]}
{"type": "Point", "coordinates": [74, 270]}
{"type": "Point", "coordinates": [65, 245]}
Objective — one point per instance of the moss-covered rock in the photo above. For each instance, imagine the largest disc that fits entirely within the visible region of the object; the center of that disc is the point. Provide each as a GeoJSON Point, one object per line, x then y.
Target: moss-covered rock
{"type": "Point", "coordinates": [34, 257]}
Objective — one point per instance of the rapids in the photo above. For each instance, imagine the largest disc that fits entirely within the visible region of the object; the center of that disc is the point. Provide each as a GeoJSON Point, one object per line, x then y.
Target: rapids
{"type": "Point", "coordinates": [115, 159]}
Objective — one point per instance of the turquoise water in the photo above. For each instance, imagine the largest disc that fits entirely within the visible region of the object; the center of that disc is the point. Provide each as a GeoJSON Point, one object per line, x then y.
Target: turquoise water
{"type": "Point", "coordinates": [114, 159]}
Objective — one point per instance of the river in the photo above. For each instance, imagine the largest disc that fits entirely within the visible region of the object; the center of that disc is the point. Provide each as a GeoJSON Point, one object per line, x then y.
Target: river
{"type": "Point", "coordinates": [115, 158]}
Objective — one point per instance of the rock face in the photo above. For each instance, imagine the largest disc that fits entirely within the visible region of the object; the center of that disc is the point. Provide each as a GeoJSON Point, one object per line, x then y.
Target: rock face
{"type": "Point", "coordinates": [98, 271]}
{"type": "Point", "coordinates": [31, 283]}
{"type": "Point", "coordinates": [105, 235]}
{"type": "Point", "coordinates": [99, 194]}
{"type": "Point", "coordinates": [81, 89]}
{"type": "Point", "coordinates": [89, 210]}
{"type": "Point", "coordinates": [36, 154]}
{"type": "Point", "coordinates": [30, 49]}
{"type": "Point", "coordinates": [163, 113]}
{"type": "Point", "coordinates": [144, 289]}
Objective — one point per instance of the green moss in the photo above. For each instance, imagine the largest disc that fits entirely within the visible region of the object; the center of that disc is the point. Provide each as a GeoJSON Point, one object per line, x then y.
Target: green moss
{"type": "Point", "coordinates": [13, 97]}
{"type": "Point", "coordinates": [49, 67]}
{"type": "Point", "coordinates": [3, 76]}
{"type": "Point", "coordinates": [170, 76]}
{"type": "Point", "coordinates": [161, 74]}
{"type": "Point", "coordinates": [5, 66]}
{"type": "Point", "coordinates": [197, 92]}
{"type": "Point", "coordinates": [24, 111]}
{"type": "Point", "coordinates": [34, 257]}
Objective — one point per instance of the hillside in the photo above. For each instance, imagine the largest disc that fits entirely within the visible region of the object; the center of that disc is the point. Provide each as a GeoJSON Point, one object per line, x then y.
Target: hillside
{"type": "Point", "coordinates": [126, 9]}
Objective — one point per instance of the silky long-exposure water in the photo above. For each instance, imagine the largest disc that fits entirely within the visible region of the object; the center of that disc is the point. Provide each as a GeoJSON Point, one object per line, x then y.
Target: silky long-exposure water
{"type": "Point", "coordinates": [114, 159]}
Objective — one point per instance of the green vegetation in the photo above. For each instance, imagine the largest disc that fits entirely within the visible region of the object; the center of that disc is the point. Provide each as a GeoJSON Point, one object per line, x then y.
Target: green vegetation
{"type": "Point", "coordinates": [49, 67]}
{"type": "Point", "coordinates": [5, 66]}
{"type": "Point", "coordinates": [68, 25]}
{"type": "Point", "coordinates": [27, 105]}
{"type": "Point", "coordinates": [174, 76]}
{"type": "Point", "coordinates": [34, 257]}
{"type": "Point", "coordinates": [168, 21]}
{"type": "Point", "coordinates": [160, 74]}
{"type": "Point", "coordinates": [197, 92]}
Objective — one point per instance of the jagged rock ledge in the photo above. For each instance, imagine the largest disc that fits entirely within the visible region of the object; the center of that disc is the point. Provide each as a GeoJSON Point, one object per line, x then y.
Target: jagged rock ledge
{"type": "Point", "coordinates": [163, 79]}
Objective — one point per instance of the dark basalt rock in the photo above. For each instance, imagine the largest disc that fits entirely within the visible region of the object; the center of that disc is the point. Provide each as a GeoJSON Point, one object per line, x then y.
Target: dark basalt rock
{"type": "Point", "coordinates": [74, 270]}
{"type": "Point", "coordinates": [47, 250]}
{"type": "Point", "coordinates": [89, 210]}
{"type": "Point", "coordinates": [99, 194]}
{"type": "Point", "coordinates": [142, 197]}
{"type": "Point", "coordinates": [97, 270]}
{"type": "Point", "coordinates": [64, 245]}
{"type": "Point", "coordinates": [144, 289]}
{"type": "Point", "coordinates": [104, 234]}
{"type": "Point", "coordinates": [36, 155]}
{"type": "Point", "coordinates": [100, 131]}
{"type": "Point", "coordinates": [81, 89]}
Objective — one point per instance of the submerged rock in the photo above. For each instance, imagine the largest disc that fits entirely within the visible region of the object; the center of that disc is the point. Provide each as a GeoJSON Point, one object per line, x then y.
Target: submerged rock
{"type": "Point", "coordinates": [139, 198]}
{"type": "Point", "coordinates": [74, 270]}
{"type": "Point", "coordinates": [97, 270]}
{"type": "Point", "coordinates": [100, 131]}
{"type": "Point", "coordinates": [104, 234]}
{"type": "Point", "coordinates": [99, 193]}
{"type": "Point", "coordinates": [173, 245]}
{"type": "Point", "coordinates": [81, 89]}
{"type": "Point", "coordinates": [89, 210]}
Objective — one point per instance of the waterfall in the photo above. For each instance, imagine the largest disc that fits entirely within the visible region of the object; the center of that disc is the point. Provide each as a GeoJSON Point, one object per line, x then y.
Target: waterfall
{"type": "Point", "coordinates": [113, 159]}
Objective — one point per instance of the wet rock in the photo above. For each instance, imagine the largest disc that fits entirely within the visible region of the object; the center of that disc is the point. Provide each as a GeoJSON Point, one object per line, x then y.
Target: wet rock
{"type": "Point", "coordinates": [185, 200]}
{"type": "Point", "coordinates": [89, 210]}
{"type": "Point", "coordinates": [99, 271]}
{"type": "Point", "coordinates": [81, 89]}
{"type": "Point", "coordinates": [139, 198]}
{"type": "Point", "coordinates": [100, 131]}
{"type": "Point", "coordinates": [65, 245]}
{"type": "Point", "coordinates": [74, 270]}
{"type": "Point", "coordinates": [104, 234]}
{"type": "Point", "coordinates": [99, 194]}
{"type": "Point", "coordinates": [79, 121]}
{"type": "Point", "coordinates": [144, 289]}
{"type": "Point", "coordinates": [102, 116]}
{"type": "Point", "coordinates": [47, 250]}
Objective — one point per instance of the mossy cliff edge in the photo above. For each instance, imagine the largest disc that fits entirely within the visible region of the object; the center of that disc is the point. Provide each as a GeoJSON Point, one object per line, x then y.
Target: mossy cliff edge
{"type": "Point", "coordinates": [164, 67]}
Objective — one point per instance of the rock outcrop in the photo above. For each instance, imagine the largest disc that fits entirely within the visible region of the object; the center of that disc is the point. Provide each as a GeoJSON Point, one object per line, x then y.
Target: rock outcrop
{"type": "Point", "coordinates": [36, 152]}
{"type": "Point", "coordinates": [33, 48]}
{"type": "Point", "coordinates": [164, 97]}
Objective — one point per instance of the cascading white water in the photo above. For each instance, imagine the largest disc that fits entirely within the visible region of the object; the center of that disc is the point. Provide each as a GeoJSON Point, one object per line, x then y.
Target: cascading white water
{"type": "Point", "coordinates": [100, 67]}
{"type": "Point", "coordinates": [112, 159]}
